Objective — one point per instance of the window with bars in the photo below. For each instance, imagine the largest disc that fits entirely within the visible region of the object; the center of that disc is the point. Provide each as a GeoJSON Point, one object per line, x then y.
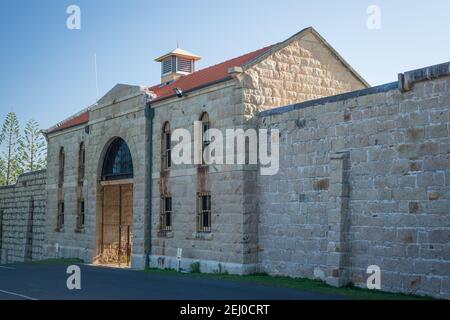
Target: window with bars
{"type": "Point", "coordinates": [204, 212]}
{"type": "Point", "coordinates": [81, 164]}
{"type": "Point", "coordinates": [166, 152]}
{"type": "Point", "coordinates": [80, 214]}
{"type": "Point", "coordinates": [60, 217]}
{"type": "Point", "coordinates": [166, 214]}
{"type": "Point", "coordinates": [62, 161]}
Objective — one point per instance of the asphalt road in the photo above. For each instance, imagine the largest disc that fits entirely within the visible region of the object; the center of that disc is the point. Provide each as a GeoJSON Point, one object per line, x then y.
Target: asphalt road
{"type": "Point", "coordinates": [48, 282]}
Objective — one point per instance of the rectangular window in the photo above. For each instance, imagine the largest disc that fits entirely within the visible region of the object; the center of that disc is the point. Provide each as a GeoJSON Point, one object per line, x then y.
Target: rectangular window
{"type": "Point", "coordinates": [60, 217]}
{"type": "Point", "coordinates": [166, 214]}
{"type": "Point", "coordinates": [80, 215]}
{"type": "Point", "coordinates": [204, 213]}
{"type": "Point", "coordinates": [168, 150]}
{"type": "Point", "coordinates": [61, 171]}
{"type": "Point", "coordinates": [206, 140]}
{"type": "Point", "coordinates": [81, 165]}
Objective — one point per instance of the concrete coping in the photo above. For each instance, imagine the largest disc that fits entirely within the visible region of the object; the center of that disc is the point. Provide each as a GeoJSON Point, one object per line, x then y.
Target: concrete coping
{"type": "Point", "coordinates": [408, 79]}
{"type": "Point", "coordinates": [32, 173]}
{"type": "Point", "coordinates": [22, 177]}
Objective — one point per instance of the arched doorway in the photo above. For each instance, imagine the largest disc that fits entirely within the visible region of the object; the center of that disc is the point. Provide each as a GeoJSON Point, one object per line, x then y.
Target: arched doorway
{"type": "Point", "coordinates": [116, 187]}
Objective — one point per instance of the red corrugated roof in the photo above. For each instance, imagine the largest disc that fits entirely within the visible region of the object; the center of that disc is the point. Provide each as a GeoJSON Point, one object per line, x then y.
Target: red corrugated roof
{"type": "Point", "coordinates": [192, 81]}
{"type": "Point", "coordinates": [205, 76]}
{"type": "Point", "coordinates": [80, 119]}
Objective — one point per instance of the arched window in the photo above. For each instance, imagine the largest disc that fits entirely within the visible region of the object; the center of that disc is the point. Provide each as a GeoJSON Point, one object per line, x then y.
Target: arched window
{"type": "Point", "coordinates": [205, 136]}
{"type": "Point", "coordinates": [166, 147]}
{"type": "Point", "coordinates": [62, 160]}
{"type": "Point", "coordinates": [118, 163]}
{"type": "Point", "coordinates": [81, 164]}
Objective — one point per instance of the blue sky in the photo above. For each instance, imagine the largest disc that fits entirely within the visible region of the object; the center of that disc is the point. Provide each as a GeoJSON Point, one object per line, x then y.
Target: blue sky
{"type": "Point", "coordinates": [47, 71]}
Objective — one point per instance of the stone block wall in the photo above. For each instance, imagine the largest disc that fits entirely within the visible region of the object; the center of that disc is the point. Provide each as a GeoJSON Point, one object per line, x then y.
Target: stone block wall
{"type": "Point", "coordinates": [364, 180]}
{"type": "Point", "coordinates": [304, 69]}
{"type": "Point", "coordinates": [66, 242]}
{"type": "Point", "coordinates": [119, 114]}
{"type": "Point", "coordinates": [22, 219]}
{"type": "Point", "coordinates": [122, 115]}
{"type": "Point", "coordinates": [229, 247]}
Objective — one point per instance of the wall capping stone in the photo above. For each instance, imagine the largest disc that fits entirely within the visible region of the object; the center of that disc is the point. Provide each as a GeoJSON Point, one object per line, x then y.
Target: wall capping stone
{"type": "Point", "coordinates": [407, 80]}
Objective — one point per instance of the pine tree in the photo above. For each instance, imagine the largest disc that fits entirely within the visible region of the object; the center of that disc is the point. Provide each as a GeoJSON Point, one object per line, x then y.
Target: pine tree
{"type": "Point", "coordinates": [10, 135]}
{"type": "Point", "coordinates": [2, 165]}
{"type": "Point", "coordinates": [2, 173]}
{"type": "Point", "coordinates": [32, 148]}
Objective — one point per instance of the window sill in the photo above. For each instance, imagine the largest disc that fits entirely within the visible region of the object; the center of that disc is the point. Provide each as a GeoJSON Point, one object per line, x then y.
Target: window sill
{"type": "Point", "coordinates": [205, 236]}
{"type": "Point", "coordinates": [59, 229]}
{"type": "Point", "coordinates": [165, 234]}
{"type": "Point", "coordinates": [80, 230]}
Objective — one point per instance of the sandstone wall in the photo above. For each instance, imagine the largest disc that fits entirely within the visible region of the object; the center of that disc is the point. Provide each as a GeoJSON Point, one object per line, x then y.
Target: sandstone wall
{"type": "Point", "coordinates": [364, 180]}
{"type": "Point", "coordinates": [304, 69]}
{"type": "Point", "coordinates": [121, 113]}
{"type": "Point", "coordinates": [230, 246]}
{"type": "Point", "coordinates": [66, 242]}
{"type": "Point", "coordinates": [22, 219]}
{"type": "Point", "coordinates": [126, 119]}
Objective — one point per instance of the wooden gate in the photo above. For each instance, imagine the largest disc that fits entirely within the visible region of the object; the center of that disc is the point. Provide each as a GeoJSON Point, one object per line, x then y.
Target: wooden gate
{"type": "Point", "coordinates": [117, 225]}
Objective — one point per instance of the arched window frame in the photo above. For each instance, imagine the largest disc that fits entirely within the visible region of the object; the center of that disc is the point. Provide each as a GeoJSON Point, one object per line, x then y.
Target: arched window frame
{"type": "Point", "coordinates": [166, 147]}
{"type": "Point", "coordinates": [118, 163]}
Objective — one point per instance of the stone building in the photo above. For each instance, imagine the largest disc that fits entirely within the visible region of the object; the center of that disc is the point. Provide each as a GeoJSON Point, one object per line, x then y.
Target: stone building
{"type": "Point", "coordinates": [363, 174]}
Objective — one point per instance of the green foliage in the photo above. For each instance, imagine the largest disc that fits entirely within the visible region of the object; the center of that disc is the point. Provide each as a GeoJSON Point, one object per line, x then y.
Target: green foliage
{"type": "Point", "coordinates": [32, 148]}
{"type": "Point", "coordinates": [2, 172]}
{"type": "Point", "coordinates": [19, 154]}
{"type": "Point", "coordinates": [10, 139]}
{"type": "Point", "coordinates": [304, 285]}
